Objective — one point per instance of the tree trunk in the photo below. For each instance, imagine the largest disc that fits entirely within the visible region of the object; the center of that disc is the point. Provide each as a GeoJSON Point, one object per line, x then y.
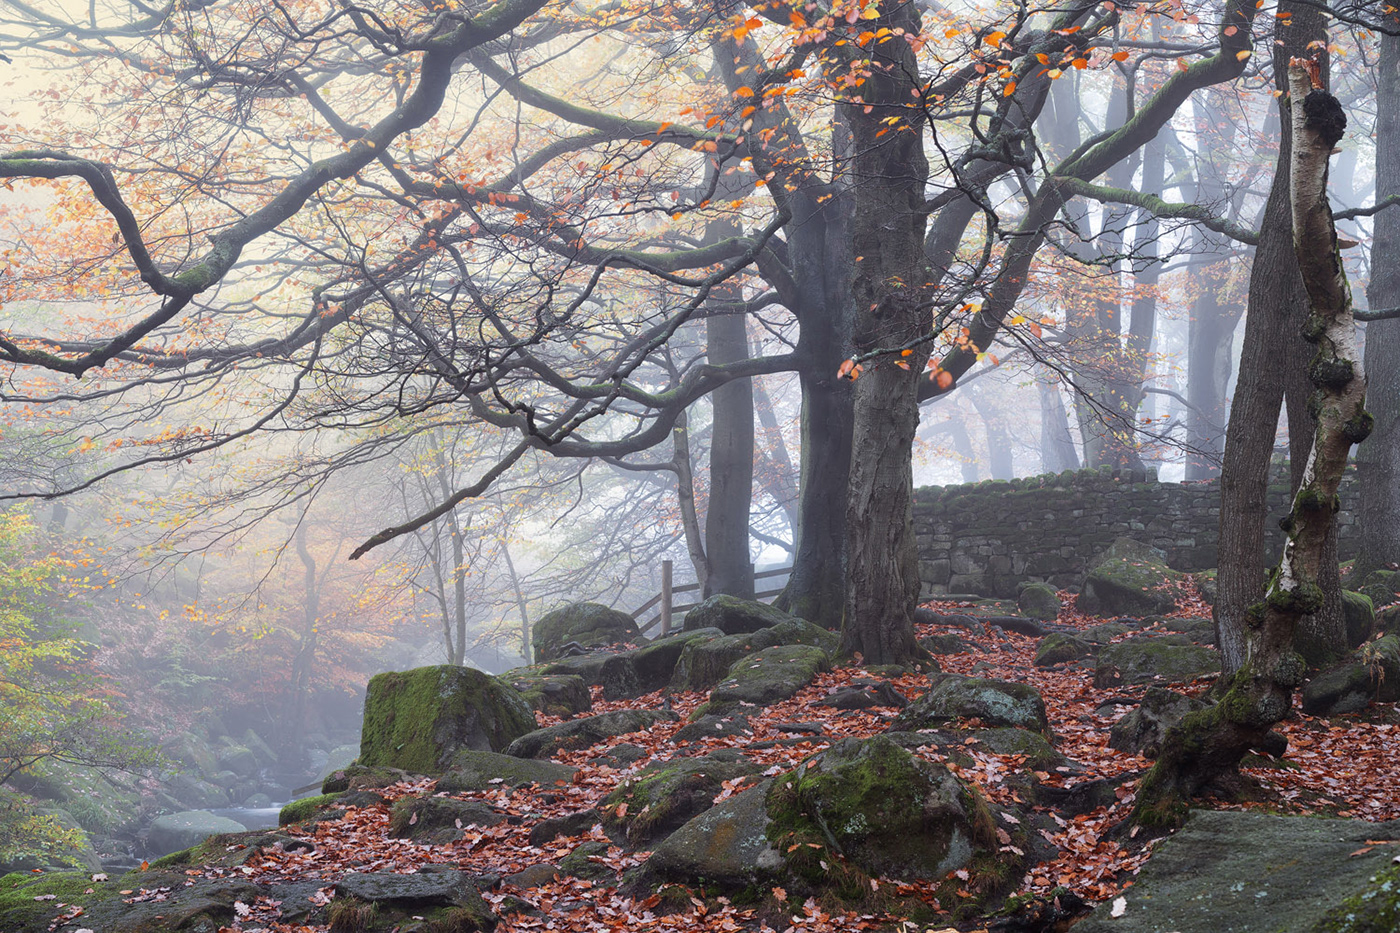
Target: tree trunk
{"type": "Point", "coordinates": [685, 497]}
{"type": "Point", "coordinates": [1378, 460]}
{"type": "Point", "coordinates": [1211, 742]}
{"type": "Point", "coordinates": [1057, 452]}
{"type": "Point", "coordinates": [821, 269]}
{"type": "Point", "coordinates": [731, 460]}
{"type": "Point", "coordinates": [887, 237]}
{"type": "Point", "coordinates": [1277, 308]}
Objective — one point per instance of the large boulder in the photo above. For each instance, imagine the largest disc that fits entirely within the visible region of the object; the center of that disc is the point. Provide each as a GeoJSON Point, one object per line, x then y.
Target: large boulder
{"type": "Point", "coordinates": [417, 720]}
{"type": "Point", "coordinates": [1038, 601]}
{"type": "Point", "coordinates": [439, 820]}
{"type": "Point", "coordinates": [1130, 578]}
{"type": "Point", "coordinates": [589, 730]}
{"type": "Point", "coordinates": [666, 794]}
{"type": "Point", "coordinates": [771, 675]}
{"type": "Point", "coordinates": [995, 702]}
{"type": "Point", "coordinates": [734, 616]}
{"type": "Point", "coordinates": [727, 846]}
{"type": "Point", "coordinates": [176, 831]}
{"type": "Point", "coordinates": [589, 625]}
{"type": "Point", "coordinates": [1142, 731]}
{"type": "Point", "coordinates": [385, 901]}
{"type": "Point", "coordinates": [889, 813]}
{"type": "Point", "coordinates": [1371, 673]}
{"type": "Point", "coordinates": [704, 664]}
{"type": "Point", "coordinates": [1247, 872]}
{"type": "Point", "coordinates": [1153, 660]}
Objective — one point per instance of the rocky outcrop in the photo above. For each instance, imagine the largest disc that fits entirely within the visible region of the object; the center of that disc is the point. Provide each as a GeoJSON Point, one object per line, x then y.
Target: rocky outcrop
{"type": "Point", "coordinates": [588, 625]}
{"type": "Point", "coordinates": [1130, 578]}
{"type": "Point", "coordinates": [589, 730]}
{"type": "Point", "coordinates": [417, 720]}
{"type": "Point", "coordinates": [995, 702]}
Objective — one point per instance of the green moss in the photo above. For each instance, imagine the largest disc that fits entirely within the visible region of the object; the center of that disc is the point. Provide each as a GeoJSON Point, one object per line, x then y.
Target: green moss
{"type": "Point", "coordinates": [1373, 910]}
{"type": "Point", "coordinates": [18, 892]}
{"type": "Point", "coordinates": [1359, 428]}
{"type": "Point", "coordinates": [1330, 373]}
{"type": "Point", "coordinates": [300, 810]}
{"type": "Point", "coordinates": [349, 915]}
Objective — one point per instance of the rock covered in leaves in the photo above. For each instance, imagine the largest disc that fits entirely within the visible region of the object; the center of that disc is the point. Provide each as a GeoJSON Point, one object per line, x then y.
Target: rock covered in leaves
{"type": "Point", "coordinates": [995, 702]}
{"type": "Point", "coordinates": [417, 720]}
{"type": "Point", "coordinates": [768, 676]}
{"type": "Point", "coordinates": [1142, 730]}
{"type": "Point", "coordinates": [665, 794]}
{"type": "Point", "coordinates": [589, 625]}
{"type": "Point", "coordinates": [438, 820]}
{"type": "Point", "coordinates": [580, 733]}
{"type": "Point", "coordinates": [864, 693]}
{"type": "Point", "coordinates": [1130, 578]}
{"type": "Point", "coordinates": [726, 846]}
{"type": "Point", "coordinates": [1146, 659]}
{"type": "Point", "coordinates": [734, 616]}
{"type": "Point", "coordinates": [477, 771]}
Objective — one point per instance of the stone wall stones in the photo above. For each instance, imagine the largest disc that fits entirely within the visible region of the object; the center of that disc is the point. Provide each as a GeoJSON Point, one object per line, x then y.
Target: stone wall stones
{"type": "Point", "coordinates": [986, 538]}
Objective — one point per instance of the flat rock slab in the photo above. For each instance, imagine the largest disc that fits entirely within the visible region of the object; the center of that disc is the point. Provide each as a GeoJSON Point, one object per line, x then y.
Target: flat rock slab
{"type": "Point", "coordinates": [1231, 872]}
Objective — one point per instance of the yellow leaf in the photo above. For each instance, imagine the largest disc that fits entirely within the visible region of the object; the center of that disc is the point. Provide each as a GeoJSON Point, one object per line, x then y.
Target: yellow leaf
{"type": "Point", "coordinates": [994, 39]}
{"type": "Point", "coordinates": [743, 92]}
{"type": "Point", "coordinates": [1242, 54]}
{"type": "Point", "coordinates": [1009, 89]}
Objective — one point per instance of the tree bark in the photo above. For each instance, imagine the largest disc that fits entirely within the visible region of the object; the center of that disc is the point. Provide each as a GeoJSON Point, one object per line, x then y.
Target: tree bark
{"type": "Point", "coordinates": [731, 460]}
{"type": "Point", "coordinates": [887, 238]}
{"type": "Point", "coordinates": [1211, 742]}
{"type": "Point", "coordinates": [1277, 308]}
{"type": "Point", "coordinates": [1378, 460]}
{"type": "Point", "coordinates": [1057, 452]}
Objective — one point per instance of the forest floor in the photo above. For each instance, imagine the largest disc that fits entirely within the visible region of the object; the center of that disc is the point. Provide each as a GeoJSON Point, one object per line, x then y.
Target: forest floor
{"type": "Point", "coordinates": [1343, 767]}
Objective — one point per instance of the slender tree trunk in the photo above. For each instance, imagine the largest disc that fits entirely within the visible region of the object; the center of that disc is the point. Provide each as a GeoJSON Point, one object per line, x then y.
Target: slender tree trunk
{"type": "Point", "coordinates": [1057, 452]}
{"type": "Point", "coordinates": [1378, 460]}
{"type": "Point", "coordinates": [1210, 743]}
{"type": "Point", "coordinates": [821, 269]}
{"type": "Point", "coordinates": [519, 603]}
{"type": "Point", "coordinates": [778, 478]}
{"type": "Point", "coordinates": [685, 497]}
{"type": "Point", "coordinates": [731, 461]}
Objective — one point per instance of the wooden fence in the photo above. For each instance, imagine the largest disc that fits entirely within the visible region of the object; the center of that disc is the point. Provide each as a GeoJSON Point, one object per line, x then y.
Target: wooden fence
{"type": "Point", "coordinates": [666, 607]}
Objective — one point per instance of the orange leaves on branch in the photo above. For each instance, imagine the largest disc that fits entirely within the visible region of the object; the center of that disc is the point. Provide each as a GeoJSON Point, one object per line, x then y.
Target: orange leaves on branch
{"type": "Point", "coordinates": [849, 370]}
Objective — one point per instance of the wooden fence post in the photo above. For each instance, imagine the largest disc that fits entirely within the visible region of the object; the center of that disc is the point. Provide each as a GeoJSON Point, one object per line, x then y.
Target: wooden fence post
{"type": "Point", "coordinates": [665, 598]}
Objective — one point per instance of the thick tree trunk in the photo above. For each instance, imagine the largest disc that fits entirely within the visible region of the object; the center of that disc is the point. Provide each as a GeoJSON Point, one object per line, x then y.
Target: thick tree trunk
{"type": "Point", "coordinates": [1211, 742]}
{"type": "Point", "coordinates": [887, 237]}
{"type": "Point", "coordinates": [1378, 460]}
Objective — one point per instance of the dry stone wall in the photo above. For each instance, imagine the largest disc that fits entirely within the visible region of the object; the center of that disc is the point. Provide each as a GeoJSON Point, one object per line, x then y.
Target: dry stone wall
{"type": "Point", "coordinates": [985, 538]}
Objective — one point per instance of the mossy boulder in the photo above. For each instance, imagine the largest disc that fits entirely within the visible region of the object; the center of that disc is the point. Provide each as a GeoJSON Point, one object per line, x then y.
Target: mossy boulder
{"type": "Point", "coordinates": [1371, 673]}
{"type": "Point", "coordinates": [1058, 648]}
{"type": "Point", "coordinates": [298, 811]}
{"type": "Point", "coordinates": [589, 730]}
{"type": "Point", "coordinates": [886, 812]}
{"type": "Point", "coordinates": [417, 720]}
{"type": "Point", "coordinates": [1038, 601]}
{"type": "Point", "coordinates": [1383, 586]}
{"type": "Point", "coordinates": [1142, 730]}
{"type": "Point", "coordinates": [477, 771]}
{"type": "Point", "coordinates": [726, 846]}
{"type": "Point", "coordinates": [1147, 660]}
{"type": "Point", "coordinates": [994, 702]}
{"type": "Point", "coordinates": [1360, 616]}
{"type": "Point", "coordinates": [655, 663]}
{"type": "Point", "coordinates": [562, 695]}
{"type": "Point", "coordinates": [199, 906]}
{"type": "Point", "coordinates": [701, 666]}
{"type": "Point", "coordinates": [771, 675]}
{"type": "Point", "coordinates": [1130, 578]}
{"type": "Point", "coordinates": [586, 862]}
{"type": "Point", "coordinates": [361, 777]}
{"type": "Point", "coordinates": [425, 902]}
{"type": "Point", "coordinates": [439, 820]}
{"type": "Point", "coordinates": [666, 794]}
{"type": "Point", "coordinates": [176, 831]}
{"type": "Point", "coordinates": [734, 616]}
{"type": "Point", "coordinates": [1374, 908]}
{"type": "Point", "coordinates": [589, 625]}
{"type": "Point", "coordinates": [948, 644]}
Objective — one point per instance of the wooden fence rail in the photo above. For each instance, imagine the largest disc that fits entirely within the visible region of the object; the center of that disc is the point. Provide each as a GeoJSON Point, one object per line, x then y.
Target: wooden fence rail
{"type": "Point", "coordinates": [667, 608]}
